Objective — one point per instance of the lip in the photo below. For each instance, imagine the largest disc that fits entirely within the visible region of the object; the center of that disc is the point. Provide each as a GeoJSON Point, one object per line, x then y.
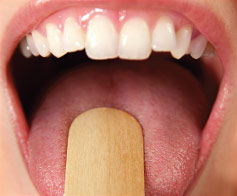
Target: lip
{"type": "Point", "coordinates": [206, 22]}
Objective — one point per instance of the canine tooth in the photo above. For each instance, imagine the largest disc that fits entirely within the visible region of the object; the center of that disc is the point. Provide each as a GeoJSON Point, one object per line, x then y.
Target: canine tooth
{"type": "Point", "coordinates": [101, 38]}
{"type": "Point", "coordinates": [41, 43]}
{"type": "Point", "coordinates": [183, 38]}
{"type": "Point", "coordinates": [73, 36]}
{"type": "Point", "coordinates": [25, 49]}
{"type": "Point", "coordinates": [209, 50]}
{"type": "Point", "coordinates": [135, 40]}
{"type": "Point", "coordinates": [163, 36]}
{"type": "Point", "coordinates": [54, 37]}
{"type": "Point", "coordinates": [198, 46]}
{"type": "Point", "coordinates": [31, 45]}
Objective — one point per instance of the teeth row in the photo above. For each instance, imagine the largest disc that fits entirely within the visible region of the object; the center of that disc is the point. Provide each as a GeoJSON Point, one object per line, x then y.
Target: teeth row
{"type": "Point", "coordinates": [102, 40]}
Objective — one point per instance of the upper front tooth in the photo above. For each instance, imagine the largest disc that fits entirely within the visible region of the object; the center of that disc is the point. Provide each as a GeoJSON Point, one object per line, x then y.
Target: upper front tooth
{"type": "Point", "coordinates": [40, 43]}
{"type": "Point", "coordinates": [73, 36]}
{"type": "Point", "coordinates": [25, 49]}
{"type": "Point", "coordinates": [54, 37]}
{"type": "Point", "coordinates": [101, 38]}
{"type": "Point", "coordinates": [31, 45]}
{"type": "Point", "coordinates": [198, 46]}
{"type": "Point", "coordinates": [163, 36]}
{"type": "Point", "coordinates": [135, 40]}
{"type": "Point", "coordinates": [183, 38]}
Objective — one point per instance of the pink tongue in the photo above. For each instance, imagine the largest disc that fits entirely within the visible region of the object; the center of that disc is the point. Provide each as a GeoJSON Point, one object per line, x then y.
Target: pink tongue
{"type": "Point", "coordinates": [166, 100]}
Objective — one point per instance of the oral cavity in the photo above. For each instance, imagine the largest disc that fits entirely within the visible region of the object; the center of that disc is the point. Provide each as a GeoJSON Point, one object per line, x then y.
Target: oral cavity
{"type": "Point", "coordinates": [165, 98]}
{"type": "Point", "coordinates": [108, 34]}
{"type": "Point", "coordinates": [171, 109]}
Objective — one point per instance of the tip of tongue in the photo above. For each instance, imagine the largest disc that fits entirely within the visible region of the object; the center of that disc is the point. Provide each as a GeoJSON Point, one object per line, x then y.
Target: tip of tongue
{"type": "Point", "coordinates": [166, 100]}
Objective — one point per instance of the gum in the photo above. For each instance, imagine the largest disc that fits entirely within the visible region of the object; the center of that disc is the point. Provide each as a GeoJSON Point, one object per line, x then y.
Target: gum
{"type": "Point", "coordinates": [118, 17]}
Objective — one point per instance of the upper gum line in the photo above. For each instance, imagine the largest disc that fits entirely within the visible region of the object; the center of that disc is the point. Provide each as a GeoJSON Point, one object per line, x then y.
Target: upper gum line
{"type": "Point", "coordinates": [119, 19]}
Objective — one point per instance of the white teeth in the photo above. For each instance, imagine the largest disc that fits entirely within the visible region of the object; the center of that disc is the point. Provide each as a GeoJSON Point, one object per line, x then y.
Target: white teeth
{"type": "Point", "coordinates": [25, 49]}
{"type": "Point", "coordinates": [31, 45]}
{"type": "Point", "coordinates": [54, 37]}
{"type": "Point", "coordinates": [73, 36]}
{"type": "Point", "coordinates": [209, 50]}
{"type": "Point", "coordinates": [163, 36]}
{"type": "Point", "coordinates": [101, 38]}
{"type": "Point", "coordinates": [135, 40]}
{"type": "Point", "coordinates": [198, 46]}
{"type": "Point", "coordinates": [41, 43]}
{"type": "Point", "coordinates": [102, 41]}
{"type": "Point", "coordinates": [183, 38]}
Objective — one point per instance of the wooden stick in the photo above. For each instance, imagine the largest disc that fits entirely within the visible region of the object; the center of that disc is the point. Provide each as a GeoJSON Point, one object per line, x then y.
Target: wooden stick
{"type": "Point", "coordinates": [105, 155]}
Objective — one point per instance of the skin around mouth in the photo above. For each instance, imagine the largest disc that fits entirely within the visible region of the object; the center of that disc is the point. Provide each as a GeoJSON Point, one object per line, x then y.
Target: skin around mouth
{"type": "Point", "coordinates": [210, 28]}
{"type": "Point", "coordinates": [171, 111]}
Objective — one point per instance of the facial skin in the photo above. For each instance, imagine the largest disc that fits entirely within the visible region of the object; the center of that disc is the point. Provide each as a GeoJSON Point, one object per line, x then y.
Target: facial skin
{"type": "Point", "coordinates": [219, 177]}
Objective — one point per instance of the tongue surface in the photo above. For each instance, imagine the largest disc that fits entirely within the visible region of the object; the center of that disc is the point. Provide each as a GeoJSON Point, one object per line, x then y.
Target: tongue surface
{"type": "Point", "coordinates": [165, 99]}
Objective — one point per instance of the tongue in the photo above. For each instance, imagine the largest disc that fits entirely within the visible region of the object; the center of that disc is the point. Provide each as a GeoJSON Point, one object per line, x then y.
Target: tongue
{"type": "Point", "coordinates": [166, 100]}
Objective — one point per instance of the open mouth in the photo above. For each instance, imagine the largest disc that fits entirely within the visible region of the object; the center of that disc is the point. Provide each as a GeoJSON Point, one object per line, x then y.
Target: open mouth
{"type": "Point", "coordinates": [162, 63]}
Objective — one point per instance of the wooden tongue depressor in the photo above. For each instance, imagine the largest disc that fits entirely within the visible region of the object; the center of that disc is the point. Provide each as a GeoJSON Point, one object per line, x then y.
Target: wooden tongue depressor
{"type": "Point", "coordinates": [105, 155]}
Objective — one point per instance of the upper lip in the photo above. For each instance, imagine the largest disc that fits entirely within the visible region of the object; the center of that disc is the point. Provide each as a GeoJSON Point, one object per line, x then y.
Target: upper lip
{"type": "Point", "coordinates": [36, 11]}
